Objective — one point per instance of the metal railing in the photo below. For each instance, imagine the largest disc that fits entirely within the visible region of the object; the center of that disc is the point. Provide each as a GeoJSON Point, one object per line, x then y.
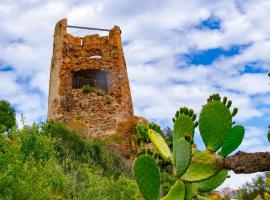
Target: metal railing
{"type": "Point", "coordinates": [88, 28]}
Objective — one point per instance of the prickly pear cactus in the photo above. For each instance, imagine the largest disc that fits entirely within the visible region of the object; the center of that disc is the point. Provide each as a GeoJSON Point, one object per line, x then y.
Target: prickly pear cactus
{"type": "Point", "coordinates": [199, 197]}
{"type": "Point", "coordinates": [213, 182]}
{"type": "Point", "coordinates": [147, 176]}
{"type": "Point", "coordinates": [177, 192]}
{"type": "Point", "coordinates": [160, 144]}
{"type": "Point", "coordinates": [202, 166]}
{"type": "Point", "coordinates": [184, 123]}
{"type": "Point", "coordinates": [232, 140]}
{"type": "Point", "coordinates": [191, 190]}
{"type": "Point", "coordinates": [215, 121]}
{"type": "Point", "coordinates": [182, 156]}
{"type": "Point", "coordinates": [195, 172]}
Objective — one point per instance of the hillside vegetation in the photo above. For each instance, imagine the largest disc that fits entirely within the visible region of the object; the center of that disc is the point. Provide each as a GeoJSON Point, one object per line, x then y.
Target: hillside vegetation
{"type": "Point", "coordinates": [50, 161]}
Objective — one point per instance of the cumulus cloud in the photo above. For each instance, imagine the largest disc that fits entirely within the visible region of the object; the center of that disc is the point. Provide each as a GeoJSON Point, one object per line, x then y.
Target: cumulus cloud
{"type": "Point", "coordinates": [157, 37]}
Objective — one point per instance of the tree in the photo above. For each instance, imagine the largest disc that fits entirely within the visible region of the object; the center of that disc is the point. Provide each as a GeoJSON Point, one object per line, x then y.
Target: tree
{"type": "Point", "coordinates": [258, 186]}
{"type": "Point", "coordinates": [7, 116]}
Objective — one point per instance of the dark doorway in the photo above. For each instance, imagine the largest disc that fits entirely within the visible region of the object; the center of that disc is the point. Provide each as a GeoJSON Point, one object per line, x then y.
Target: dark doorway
{"type": "Point", "coordinates": [91, 77]}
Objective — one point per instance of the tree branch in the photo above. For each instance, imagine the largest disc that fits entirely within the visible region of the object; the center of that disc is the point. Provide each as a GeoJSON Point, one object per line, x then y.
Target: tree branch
{"type": "Point", "coordinates": [246, 163]}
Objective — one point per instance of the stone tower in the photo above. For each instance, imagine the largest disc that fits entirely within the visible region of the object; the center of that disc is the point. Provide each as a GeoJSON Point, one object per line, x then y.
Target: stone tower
{"type": "Point", "coordinates": [96, 61]}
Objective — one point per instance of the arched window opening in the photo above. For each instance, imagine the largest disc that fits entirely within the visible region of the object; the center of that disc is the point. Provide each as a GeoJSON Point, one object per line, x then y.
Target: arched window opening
{"type": "Point", "coordinates": [91, 77]}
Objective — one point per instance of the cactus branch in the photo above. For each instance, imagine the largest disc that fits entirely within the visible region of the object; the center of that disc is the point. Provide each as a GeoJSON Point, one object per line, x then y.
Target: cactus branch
{"type": "Point", "coordinates": [246, 163]}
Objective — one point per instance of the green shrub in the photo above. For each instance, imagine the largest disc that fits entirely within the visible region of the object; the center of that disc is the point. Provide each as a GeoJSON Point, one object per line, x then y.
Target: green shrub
{"type": "Point", "coordinates": [70, 147]}
{"type": "Point", "coordinates": [49, 161]}
{"type": "Point", "coordinates": [101, 188]}
{"type": "Point", "coordinates": [87, 89]}
{"type": "Point", "coordinates": [7, 116]}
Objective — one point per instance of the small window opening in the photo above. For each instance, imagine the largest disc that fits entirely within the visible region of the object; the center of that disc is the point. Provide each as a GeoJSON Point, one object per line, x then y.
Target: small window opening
{"type": "Point", "coordinates": [95, 53]}
{"type": "Point", "coordinates": [93, 78]}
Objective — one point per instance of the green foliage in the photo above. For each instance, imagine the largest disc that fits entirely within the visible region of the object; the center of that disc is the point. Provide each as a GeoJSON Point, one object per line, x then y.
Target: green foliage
{"type": "Point", "coordinates": [147, 177]}
{"type": "Point", "coordinates": [167, 181]}
{"type": "Point", "coordinates": [214, 122]}
{"type": "Point", "coordinates": [168, 136]}
{"type": "Point", "coordinates": [87, 89]}
{"type": "Point", "coordinates": [232, 140]}
{"type": "Point", "coordinates": [7, 116]}
{"type": "Point", "coordinates": [141, 130]}
{"type": "Point", "coordinates": [49, 161]}
{"type": "Point", "coordinates": [92, 185]}
{"type": "Point", "coordinates": [177, 192]}
{"type": "Point", "coordinates": [258, 186]}
{"type": "Point", "coordinates": [71, 149]}
{"type": "Point", "coordinates": [154, 127]}
{"type": "Point", "coordinates": [39, 146]}
{"type": "Point", "coordinates": [182, 156]}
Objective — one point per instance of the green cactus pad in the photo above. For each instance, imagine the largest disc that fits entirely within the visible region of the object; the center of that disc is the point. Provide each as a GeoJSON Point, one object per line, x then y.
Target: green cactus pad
{"type": "Point", "coordinates": [182, 156]}
{"type": "Point", "coordinates": [183, 126]}
{"type": "Point", "coordinates": [202, 198]}
{"type": "Point", "coordinates": [232, 140]}
{"type": "Point", "coordinates": [202, 166]}
{"type": "Point", "coordinates": [177, 191]}
{"type": "Point", "coordinates": [213, 182]}
{"type": "Point", "coordinates": [191, 190]}
{"type": "Point", "coordinates": [160, 144]}
{"type": "Point", "coordinates": [147, 177]}
{"type": "Point", "coordinates": [214, 122]}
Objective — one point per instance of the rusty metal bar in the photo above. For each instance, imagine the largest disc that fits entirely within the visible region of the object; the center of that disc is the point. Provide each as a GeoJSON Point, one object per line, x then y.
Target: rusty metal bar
{"type": "Point", "coordinates": [88, 28]}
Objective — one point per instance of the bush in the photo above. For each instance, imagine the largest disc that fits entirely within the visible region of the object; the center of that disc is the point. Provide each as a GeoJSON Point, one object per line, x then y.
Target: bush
{"type": "Point", "coordinates": [87, 89]}
{"type": "Point", "coordinates": [70, 147]}
{"type": "Point", "coordinates": [258, 186]}
{"type": "Point", "coordinates": [102, 188]}
{"type": "Point", "coordinates": [7, 116]}
{"type": "Point", "coordinates": [49, 161]}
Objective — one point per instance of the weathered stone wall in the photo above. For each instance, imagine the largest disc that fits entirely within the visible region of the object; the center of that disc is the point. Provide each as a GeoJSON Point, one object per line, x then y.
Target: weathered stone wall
{"type": "Point", "coordinates": [93, 114]}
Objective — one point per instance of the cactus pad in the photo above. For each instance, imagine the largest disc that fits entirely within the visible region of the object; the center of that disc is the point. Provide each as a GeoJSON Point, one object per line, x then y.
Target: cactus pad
{"type": "Point", "coordinates": [214, 122]}
{"type": "Point", "coordinates": [191, 191]}
{"type": "Point", "coordinates": [177, 191]}
{"type": "Point", "coordinates": [160, 144]}
{"type": "Point", "coordinates": [184, 124]}
{"type": "Point", "coordinates": [232, 140]}
{"type": "Point", "coordinates": [202, 167]}
{"type": "Point", "coordinates": [147, 177]}
{"type": "Point", "coordinates": [182, 156]}
{"type": "Point", "coordinates": [213, 182]}
{"type": "Point", "coordinates": [202, 198]}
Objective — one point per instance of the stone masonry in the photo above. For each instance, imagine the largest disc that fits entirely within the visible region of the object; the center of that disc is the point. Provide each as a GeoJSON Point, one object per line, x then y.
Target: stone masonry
{"type": "Point", "coordinates": [97, 61]}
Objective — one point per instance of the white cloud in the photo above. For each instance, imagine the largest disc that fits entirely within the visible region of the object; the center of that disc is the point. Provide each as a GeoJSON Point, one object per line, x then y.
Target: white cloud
{"type": "Point", "coordinates": [237, 180]}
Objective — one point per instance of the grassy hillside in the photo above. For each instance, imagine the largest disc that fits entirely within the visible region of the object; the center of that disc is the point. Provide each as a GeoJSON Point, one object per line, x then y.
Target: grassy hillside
{"type": "Point", "coordinates": [49, 161]}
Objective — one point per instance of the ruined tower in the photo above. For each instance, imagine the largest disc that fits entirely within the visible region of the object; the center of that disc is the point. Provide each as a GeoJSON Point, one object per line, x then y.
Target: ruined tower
{"type": "Point", "coordinates": [94, 61]}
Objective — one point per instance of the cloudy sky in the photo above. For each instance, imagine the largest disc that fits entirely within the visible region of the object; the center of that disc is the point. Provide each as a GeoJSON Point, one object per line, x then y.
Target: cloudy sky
{"type": "Point", "coordinates": [177, 52]}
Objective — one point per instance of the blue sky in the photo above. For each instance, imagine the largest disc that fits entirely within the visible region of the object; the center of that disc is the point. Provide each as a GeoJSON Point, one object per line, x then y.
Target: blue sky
{"type": "Point", "coordinates": [177, 53]}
